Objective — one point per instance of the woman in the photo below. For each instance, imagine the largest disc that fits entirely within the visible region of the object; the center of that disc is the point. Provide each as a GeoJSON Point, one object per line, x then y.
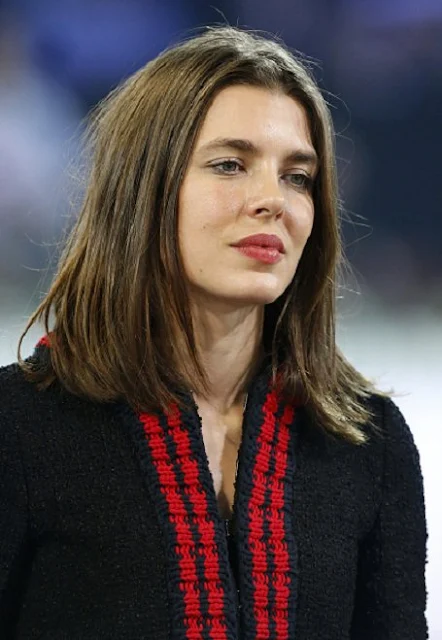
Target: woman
{"type": "Point", "coordinates": [189, 378]}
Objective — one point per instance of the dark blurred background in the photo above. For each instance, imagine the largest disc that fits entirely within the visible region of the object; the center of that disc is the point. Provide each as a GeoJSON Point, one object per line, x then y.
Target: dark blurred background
{"type": "Point", "coordinates": [380, 62]}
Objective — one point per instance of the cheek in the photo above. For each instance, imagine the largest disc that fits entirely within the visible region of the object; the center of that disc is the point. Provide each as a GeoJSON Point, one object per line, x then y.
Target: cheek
{"type": "Point", "coordinates": [301, 224]}
{"type": "Point", "coordinates": [308, 221]}
{"type": "Point", "coordinates": [216, 209]}
{"type": "Point", "coordinates": [204, 211]}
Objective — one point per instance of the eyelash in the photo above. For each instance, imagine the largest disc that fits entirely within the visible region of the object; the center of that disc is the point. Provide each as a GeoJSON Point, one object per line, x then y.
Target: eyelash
{"type": "Point", "coordinates": [306, 186]}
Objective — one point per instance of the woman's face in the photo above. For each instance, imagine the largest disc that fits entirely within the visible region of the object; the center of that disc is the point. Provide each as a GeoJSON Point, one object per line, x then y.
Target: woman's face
{"type": "Point", "coordinates": [251, 172]}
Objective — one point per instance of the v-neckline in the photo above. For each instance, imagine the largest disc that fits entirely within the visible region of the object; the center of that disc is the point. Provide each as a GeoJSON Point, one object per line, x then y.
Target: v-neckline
{"type": "Point", "coordinates": [203, 591]}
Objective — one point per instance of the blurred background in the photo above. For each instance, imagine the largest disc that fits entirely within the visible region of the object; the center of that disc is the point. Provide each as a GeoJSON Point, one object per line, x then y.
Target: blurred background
{"type": "Point", "coordinates": [381, 64]}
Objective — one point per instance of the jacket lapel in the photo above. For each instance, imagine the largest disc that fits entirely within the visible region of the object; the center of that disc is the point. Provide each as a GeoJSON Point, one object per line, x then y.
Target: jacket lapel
{"type": "Point", "coordinates": [266, 546]}
{"type": "Point", "coordinates": [203, 594]}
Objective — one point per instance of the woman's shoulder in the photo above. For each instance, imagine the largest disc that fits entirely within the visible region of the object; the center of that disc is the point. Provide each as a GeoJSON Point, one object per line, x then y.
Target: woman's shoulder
{"type": "Point", "coordinates": [389, 443]}
{"type": "Point", "coordinates": [17, 409]}
{"type": "Point", "coordinates": [26, 406]}
{"type": "Point", "coordinates": [391, 436]}
{"type": "Point", "coordinates": [387, 423]}
{"type": "Point", "coordinates": [43, 427]}
{"type": "Point", "coordinates": [15, 389]}
{"type": "Point", "coordinates": [21, 405]}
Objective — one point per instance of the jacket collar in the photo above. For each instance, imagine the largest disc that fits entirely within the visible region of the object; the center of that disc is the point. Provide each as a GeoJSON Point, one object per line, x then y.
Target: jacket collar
{"type": "Point", "coordinates": [204, 598]}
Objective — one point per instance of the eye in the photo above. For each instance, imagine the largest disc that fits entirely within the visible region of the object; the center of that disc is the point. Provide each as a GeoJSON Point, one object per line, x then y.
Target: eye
{"type": "Point", "coordinates": [227, 167]}
{"type": "Point", "coordinates": [301, 181]}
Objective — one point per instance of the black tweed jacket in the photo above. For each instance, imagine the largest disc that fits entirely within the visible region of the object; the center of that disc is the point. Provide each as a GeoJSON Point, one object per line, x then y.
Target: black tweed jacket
{"type": "Point", "coordinates": [109, 526]}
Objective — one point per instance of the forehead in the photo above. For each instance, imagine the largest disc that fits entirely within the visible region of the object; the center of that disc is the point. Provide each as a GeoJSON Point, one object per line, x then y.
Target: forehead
{"type": "Point", "coordinates": [256, 113]}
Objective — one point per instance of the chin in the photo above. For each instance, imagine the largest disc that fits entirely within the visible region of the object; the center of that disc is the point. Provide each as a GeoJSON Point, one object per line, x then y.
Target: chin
{"type": "Point", "coordinates": [264, 290]}
{"type": "Point", "coordinates": [242, 292]}
{"type": "Point", "coordinates": [260, 296]}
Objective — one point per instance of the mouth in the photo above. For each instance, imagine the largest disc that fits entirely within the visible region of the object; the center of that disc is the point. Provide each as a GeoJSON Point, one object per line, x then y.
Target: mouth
{"type": "Point", "coordinates": [265, 240]}
{"type": "Point", "coordinates": [267, 248]}
{"type": "Point", "coordinates": [267, 255]}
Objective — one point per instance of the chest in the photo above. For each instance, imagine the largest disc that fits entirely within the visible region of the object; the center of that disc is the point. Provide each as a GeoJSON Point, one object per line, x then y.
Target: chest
{"type": "Point", "coordinates": [222, 439]}
{"type": "Point", "coordinates": [299, 510]}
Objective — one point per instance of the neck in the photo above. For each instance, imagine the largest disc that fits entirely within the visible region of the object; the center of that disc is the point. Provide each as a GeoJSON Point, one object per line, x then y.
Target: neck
{"type": "Point", "coordinates": [230, 349]}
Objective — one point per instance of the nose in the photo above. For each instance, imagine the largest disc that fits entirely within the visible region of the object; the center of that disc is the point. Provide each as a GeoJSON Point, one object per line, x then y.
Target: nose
{"type": "Point", "coordinates": [267, 199]}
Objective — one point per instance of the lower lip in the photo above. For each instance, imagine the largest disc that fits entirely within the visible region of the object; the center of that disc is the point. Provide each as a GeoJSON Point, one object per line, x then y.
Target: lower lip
{"type": "Point", "coordinates": [263, 254]}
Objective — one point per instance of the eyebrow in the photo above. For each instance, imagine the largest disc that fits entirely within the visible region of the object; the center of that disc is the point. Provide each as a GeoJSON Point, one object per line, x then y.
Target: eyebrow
{"type": "Point", "coordinates": [303, 156]}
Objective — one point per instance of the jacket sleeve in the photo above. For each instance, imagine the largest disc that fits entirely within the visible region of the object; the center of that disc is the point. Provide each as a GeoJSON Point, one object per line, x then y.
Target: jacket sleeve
{"type": "Point", "coordinates": [390, 595]}
{"type": "Point", "coordinates": [13, 528]}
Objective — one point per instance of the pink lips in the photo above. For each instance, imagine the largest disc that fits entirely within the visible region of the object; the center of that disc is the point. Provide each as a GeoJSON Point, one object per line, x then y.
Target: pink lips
{"type": "Point", "coordinates": [267, 248]}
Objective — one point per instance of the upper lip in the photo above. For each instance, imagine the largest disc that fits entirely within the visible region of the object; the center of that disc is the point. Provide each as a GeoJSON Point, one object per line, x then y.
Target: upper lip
{"type": "Point", "coordinates": [262, 240]}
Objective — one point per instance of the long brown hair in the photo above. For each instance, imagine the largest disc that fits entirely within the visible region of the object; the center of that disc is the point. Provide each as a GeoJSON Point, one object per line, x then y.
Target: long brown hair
{"type": "Point", "coordinates": [122, 325]}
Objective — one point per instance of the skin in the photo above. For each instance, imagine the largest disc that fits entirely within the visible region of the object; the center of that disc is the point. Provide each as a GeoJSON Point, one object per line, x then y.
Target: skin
{"type": "Point", "coordinates": [229, 193]}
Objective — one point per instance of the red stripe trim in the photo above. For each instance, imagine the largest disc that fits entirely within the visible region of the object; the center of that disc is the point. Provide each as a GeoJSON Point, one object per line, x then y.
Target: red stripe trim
{"type": "Point", "coordinates": [256, 518]}
{"type": "Point", "coordinates": [277, 528]}
{"type": "Point", "coordinates": [185, 548]}
{"type": "Point", "coordinates": [44, 342]}
{"type": "Point", "coordinates": [198, 499]}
